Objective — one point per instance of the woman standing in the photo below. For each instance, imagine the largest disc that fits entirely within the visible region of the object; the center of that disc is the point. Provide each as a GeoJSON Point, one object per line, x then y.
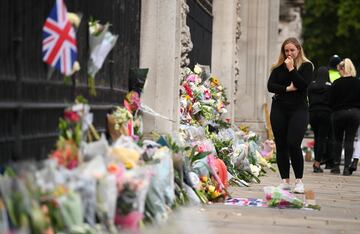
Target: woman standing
{"type": "Point", "coordinates": [345, 104]}
{"type": "Point", "coordinates": [289, 116]}
{"type": "Point", "coordinates": [320, 112]}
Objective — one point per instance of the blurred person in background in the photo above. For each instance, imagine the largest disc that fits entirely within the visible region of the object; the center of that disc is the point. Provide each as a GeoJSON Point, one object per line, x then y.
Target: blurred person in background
{"type": "Point", "coordinates": [320, 112]}
{"type": "Point", "coordinates": [345, 105]}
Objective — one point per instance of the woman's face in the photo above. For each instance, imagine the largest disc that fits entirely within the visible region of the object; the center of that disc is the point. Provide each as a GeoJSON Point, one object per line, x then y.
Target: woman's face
{"type": "Point", "coordinates": [291, 50]}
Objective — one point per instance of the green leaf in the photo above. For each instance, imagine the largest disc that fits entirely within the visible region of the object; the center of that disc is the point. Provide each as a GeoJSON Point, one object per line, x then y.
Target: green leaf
{"type": "Point", "coordinates": [200, 156]}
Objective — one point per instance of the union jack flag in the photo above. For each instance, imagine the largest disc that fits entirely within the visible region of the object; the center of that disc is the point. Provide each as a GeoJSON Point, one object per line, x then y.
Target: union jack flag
{"type": "Point", "coordinates": [59, 41]}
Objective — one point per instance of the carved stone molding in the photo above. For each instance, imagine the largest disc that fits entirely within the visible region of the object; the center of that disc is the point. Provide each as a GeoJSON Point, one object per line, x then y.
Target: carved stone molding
{"type": "Point", "coordinates": [237, 49]}
{"type": "Point", "coordinates": [185, 38]}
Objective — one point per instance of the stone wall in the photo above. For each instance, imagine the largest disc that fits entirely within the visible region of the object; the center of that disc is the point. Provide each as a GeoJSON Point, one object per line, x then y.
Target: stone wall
{"type": "Point", "coordinates": [290, 22]}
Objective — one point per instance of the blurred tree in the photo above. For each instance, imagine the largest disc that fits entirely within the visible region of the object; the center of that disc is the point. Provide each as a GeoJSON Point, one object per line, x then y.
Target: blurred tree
{"type": "Point", "coordinates": [331, 27]}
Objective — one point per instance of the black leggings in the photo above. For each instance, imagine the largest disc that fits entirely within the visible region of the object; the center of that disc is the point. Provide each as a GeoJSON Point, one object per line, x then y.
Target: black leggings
{"type": "Point", "coordinates": [345, 122]}
{"type": "Point", "coordinates": [320, 124]}
{"type": "Point", "coordinates": [289, 126]}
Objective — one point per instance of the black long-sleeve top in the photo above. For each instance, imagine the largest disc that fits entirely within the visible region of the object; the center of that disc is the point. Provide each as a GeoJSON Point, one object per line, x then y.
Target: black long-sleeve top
{"type": "Point", "coordinates": [319, 91]}
{"type": "Point", "coordinates": [345, 93]}
{"type": "Point", "coordinates": [280, 78]}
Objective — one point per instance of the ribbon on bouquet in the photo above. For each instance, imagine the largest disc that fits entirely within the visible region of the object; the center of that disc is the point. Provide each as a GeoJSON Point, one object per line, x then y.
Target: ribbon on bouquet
{"type": "Point", "coordinates": [144, 108]}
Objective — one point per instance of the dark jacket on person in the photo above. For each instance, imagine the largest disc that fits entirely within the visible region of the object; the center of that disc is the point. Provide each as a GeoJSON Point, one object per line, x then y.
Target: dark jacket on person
{"type": "Point", "coordinates": [280, 78]}
{"type": "Point", "coordinates": [319, 91]}
{"type": "Point", "coordinates": [345, 94]}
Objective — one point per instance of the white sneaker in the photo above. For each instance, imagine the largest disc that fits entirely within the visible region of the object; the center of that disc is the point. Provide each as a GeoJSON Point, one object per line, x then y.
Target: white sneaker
{"type": "Point", "coordinates": [284, 185]}
{"type": "Point", "coordinates": [299, 186]}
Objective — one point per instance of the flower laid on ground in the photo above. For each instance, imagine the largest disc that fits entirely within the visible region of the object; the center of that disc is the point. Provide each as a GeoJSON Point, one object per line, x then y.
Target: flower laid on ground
{"type": "Point", "coordinates": [209, 187]}
{"type": "Point", "coordinates": [280, 198]}
{"type": "Point", "coordinates": [309, 146]}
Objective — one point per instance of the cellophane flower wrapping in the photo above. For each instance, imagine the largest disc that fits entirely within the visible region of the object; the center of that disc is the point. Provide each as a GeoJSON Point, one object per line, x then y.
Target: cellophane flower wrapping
{"type": "Point", "coordinates": [161, 194]}
{"type": "Point", "coordinates": [280, 198]}
{"type": "Point", "coordinates": [93, 149]}
{"type": "Point", "coordinates": [99, 192]}
{"type": "Point", "coordinates": [131, 198]}
{"type": "Point", "coordinates": [101, 41]}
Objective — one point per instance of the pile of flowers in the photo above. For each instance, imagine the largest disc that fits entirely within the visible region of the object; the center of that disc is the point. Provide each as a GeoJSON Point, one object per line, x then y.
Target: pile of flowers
{"type": "Point", "coordinates": [201, 99]}
{"type": "Point", "coordinates": [90, 186]}
{"type": "Point", "coordinates": [202, 105]}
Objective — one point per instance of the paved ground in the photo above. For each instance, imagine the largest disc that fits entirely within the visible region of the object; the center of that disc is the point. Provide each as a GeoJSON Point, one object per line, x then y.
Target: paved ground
{"type": "Point", "coordinates": [338, 196]}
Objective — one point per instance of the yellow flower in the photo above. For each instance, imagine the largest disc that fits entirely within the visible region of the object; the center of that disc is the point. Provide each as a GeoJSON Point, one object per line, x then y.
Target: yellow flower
{"type": "Point", "coordinates": [215, 194]}
{"type": "Point", "coordinates": [129, 165]}
{"type": "Point", "coordinates": [214, 81]}
{"type": "Point", "coordinates": [211, 188]}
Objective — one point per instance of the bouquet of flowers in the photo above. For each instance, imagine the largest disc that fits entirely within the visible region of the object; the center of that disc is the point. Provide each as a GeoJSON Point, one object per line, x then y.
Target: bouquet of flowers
{"type": "Point", "coordinates": [280, 198]}
{"type": "Point", "coordinates": [211, 190]}
{"type": "Point", "coordinates": [76, 123]}
{"type": "Point", "coordinates": [101, 42]}
{"type": "Point", "coordinates": [308, 150]}
{"type": "Point", "coordinates": [70, 136]}
{"type": "Point", "coordinates": [117, 122]}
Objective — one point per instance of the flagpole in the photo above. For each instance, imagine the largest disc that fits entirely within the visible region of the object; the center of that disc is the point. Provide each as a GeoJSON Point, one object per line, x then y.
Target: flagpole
{"type": "Point", "coordinates": [50, 72]}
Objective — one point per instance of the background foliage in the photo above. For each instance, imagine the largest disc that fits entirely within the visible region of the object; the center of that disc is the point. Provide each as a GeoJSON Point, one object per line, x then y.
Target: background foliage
{"type": "Point", "coordinates": [331, 27]}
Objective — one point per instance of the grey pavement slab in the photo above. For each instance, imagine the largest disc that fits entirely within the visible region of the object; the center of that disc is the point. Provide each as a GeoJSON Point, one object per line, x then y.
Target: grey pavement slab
{"type": "Point", "coordinates": [338, 196]}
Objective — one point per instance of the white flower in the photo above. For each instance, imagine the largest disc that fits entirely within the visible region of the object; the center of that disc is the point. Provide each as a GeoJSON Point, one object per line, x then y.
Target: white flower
{"type": "Point", "coordinates": [95, 28]}
{"type": "Point", "coordinates": [76, 66]}
{"type": "Point", "coordinates": [255, 169]}
{"type": "Point", "coordinates": [74, 19]}
{"type": "Point", "coordinates": [223, 111]}
{"type": "Point", "coordinates": [196, 107]}
{"type": "Point", "coordinates": [197, 69]}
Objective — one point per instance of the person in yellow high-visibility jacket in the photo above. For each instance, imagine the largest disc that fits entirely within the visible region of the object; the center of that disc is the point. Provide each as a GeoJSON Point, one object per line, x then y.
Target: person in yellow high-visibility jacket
{"type": "Point", "coordinates": [332, 66]}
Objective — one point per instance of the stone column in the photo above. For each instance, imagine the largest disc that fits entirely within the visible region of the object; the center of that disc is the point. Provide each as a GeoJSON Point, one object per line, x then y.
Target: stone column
{"type": "Point", "coordinates": [258, 50]}
{"type": "Point", "coordinates": [160, 51]}
{"type": "Point", "coordinates": [226, 32]}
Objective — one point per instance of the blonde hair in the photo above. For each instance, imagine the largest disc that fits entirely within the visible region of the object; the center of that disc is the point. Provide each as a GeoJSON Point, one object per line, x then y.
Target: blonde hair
{"type": "Point", "coordinates": [300, 59]}
{"type": "Point", "coordinates": [348, 66]}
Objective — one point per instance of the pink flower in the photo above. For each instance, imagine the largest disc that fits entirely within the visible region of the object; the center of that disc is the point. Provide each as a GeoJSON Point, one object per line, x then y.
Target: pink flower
{"type": "Point", "coordinates": [268, 196]}
{"type": "Point", "coordinates": [201, 148]}
{"type": "Point", "coordinates": [283, 204]}
{"type": "Point", "coordinates": [191, 78]}
{"type": "Point", "coordinates": [311, 144]}
{"type": "Point", "coordinates": [72, 164]}
{"type": "Point", "coordinates": [132, 101]}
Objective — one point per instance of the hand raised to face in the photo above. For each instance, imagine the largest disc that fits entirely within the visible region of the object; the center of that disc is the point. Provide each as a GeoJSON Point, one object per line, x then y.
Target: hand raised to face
{"type": "Point", "coordinates": [289, 62]}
